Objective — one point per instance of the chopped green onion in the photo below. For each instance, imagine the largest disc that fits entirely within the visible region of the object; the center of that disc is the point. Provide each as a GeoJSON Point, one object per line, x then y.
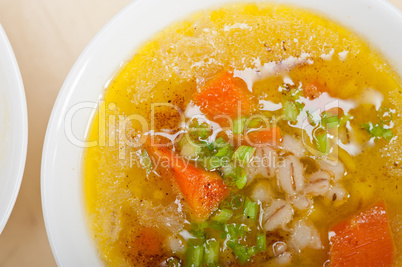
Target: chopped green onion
{"type": "Point", "coordinates": [237, 202]}
{"type": "Point", "coordinates": [261, 242]}
{"type": "Point", "coordinates": [251, 251]}
{"type": "Point", "coordinates": [378, 131]}
{"type": "Point", "coordinates": [330, 122]}
{"type": "Point", "coordinates": [219, 142]}
{"type": "Point", "coordinates": [195, 252]}
{"type": "Point", "coordinates": [243, 154]}
{"type": "Point", "coordinates": [310, 118]}
{"type": "Point", "coordinates": [250, 209]}
{"type": "Point", "coordinates": [146, 161]}
{"type": "Point", "coordinates": [255, 123]}
{"type": "Point", "coordinates": [211, 252]}
{"type": "Point", "coordinates": [228, 170]}
{"type": "Point", "coordinates": [290, 111]}
{"type": "Point", "coordinates": [197, 229]}
{"type": "Point", "coordinates": [198, 130]}
{"type": "Point", "coordinates": [344, 119]}
{"type": "Point", "coordinates": [322, 142]}
{"type": "Point", "coordinates": [233, 231]}
{"type": "Point", "coordinates": [238, 125]}
{"type": "Point", "coordinates": [240, 251]}
{"type": "Point", "coordinates": [190, 149]}
{"type": "Point", "coordinates": [241, 178]}
{"type": "Point", "coordinates": [211, 163]}
{"type": "Point", "coordinates": [387, 134]}
{"type": "Point", "coordinates": [223, 215]}
{"type": "Point", "coordinates": [217, 226]}
{"type": "Point", "coordinates": [223, 151]}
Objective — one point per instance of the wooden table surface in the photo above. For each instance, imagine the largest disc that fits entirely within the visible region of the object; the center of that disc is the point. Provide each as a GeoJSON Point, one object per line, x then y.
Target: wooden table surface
{"type": "Point", "coordinates": [47, 37]}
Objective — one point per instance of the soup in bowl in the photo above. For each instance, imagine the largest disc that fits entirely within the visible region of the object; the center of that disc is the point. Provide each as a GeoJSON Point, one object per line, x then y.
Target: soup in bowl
{"type": "Point", "coordinates": [252, 134]}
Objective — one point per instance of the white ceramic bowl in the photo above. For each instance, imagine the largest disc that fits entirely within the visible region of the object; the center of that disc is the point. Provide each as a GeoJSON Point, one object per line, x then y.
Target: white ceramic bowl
{"type": "Point", "coordinates": [62, 196]}
{"type": "Point", "coordinates": [13, 129]}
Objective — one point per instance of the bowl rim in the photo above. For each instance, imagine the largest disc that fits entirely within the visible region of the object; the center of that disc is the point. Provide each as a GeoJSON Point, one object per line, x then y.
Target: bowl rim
{"type": "Point", "coordinates": [66, 92]}
{"type": "Point", "coordinates": [19, 129]}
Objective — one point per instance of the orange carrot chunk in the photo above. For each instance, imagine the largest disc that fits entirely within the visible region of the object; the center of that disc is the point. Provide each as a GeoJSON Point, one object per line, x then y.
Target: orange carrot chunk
{"type": "Point", "coordinates": [224, 95]}
{"type": "Point", "coordinates": [313, 90]}
{"type": "Point", "coordinates": [202, 190]}
{"type": "Point", "coordinates": [364, 240]}
{"type": "Point", "coordinates": [265, 137]}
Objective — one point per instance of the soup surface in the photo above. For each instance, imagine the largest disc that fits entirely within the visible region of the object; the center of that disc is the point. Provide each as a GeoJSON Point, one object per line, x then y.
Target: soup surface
{"type": "Point", "coordinates": [256, 135]}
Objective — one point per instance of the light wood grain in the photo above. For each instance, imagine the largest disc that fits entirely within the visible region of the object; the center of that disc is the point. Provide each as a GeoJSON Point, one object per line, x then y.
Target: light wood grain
{"type": "Point", "coordinates": [47, 37]}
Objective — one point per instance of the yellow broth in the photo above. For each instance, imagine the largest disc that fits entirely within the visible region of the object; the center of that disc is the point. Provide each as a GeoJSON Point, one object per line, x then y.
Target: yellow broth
{"type": "Point", "coordinates": [175, 63]}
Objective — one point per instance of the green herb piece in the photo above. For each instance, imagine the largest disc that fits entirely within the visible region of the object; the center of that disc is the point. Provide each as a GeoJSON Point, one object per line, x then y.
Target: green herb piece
{"type": "Point", "coordinates": [387, 134]}
{"type": "Point", "coordinates": [378, 131]}
{"type": "Point", "coordinates": [195, 252]}
{"type": "Point", "coordinates": [255, 123]}
{"type": "Point", "coordinates": [211, 252]}
{"type": "Point", "coordinates": [217, 226]}
{"type": "Point", "coordinates": [261, 242]}
{"type": "Point", "coordinates": [310, 118]}
{"type": "Point", "coordinates": [223, 151]}
{"type": "Point", "coordinates": [290, 111]}
{"type": "Point", "coordinates": [240, 251]}
{"type": "Point", "coordinates": [197, 229]}
{"type": "Point", "coordinates": [211, 163]}
{"type": "Point", "coordinates": [243, 155]}
{"type": "Point", "coordinates": [329, 121]}
{"type": "Point", "coordinates": [238, 125]}
{"type": "Point", "coordinates": [237, 202]}
{"type": "Point", "coordinates": [234, 231]}
{"type": "Point", "coordinates": [190, 149]}
{"type": "Point", "coordinates": [199, 131]}
{"type": "Point", "coordinates": [223, 215]}
{"type": "Point", "coordinates": [322, 142]}
{"type": "Point", "coordinates": [251, 251]}
{"type": "Point", "coordinates": [146, 161]}
{"type": "Point", "coordinates": [241, 178]}
{"type": "Point", "coordinates": [344, 119]}
{"type": "Point", "coordinates": [250, 209]}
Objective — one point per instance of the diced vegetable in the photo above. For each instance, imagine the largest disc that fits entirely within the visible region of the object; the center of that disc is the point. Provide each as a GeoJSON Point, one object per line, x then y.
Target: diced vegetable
{"type": "Point", "coordinates": [199, 131]}
{"type": "Point", "coordinates": [291, 111]}
{"type": "Point", "coordinates": [264, 137]}
{"type": "Point", "coordinates": [378, 131]}
{"type": "Point", "coordinates": [224, 95]}
{"type": "Point", "coordinates": [195, 253]}
{"type": "Point", "coordinates": [211, 253]}
{"type": "Point", "coordinates": [241, 178]}
{"type": "Point", "coordinates": [240, 251]}
{"type": "Point", "coordinates": [363, 240]}
{"type": "Point", "coordinates": [202, 190]}
{"type": "Point", "coordinates": [261, 242]}
{"type": "Point", "coordinates": [329, 121]}
{"type": "Point", "coordinates": [234, 231]}
{"type": "Point", "coordinates": [243, 155]}
{"type": "Point", "coordinates": [238, 125]}
{"type": "Point", "coordinates": [250, 209]}
{"type": "Point", "coordinates": [223, 215]}
{"type": "Point", "coordinates": [322, 142]}
{"type": "Point", "coordinates": [251, 251]}
{"type": "Point", "coordinates": [190, 150]}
